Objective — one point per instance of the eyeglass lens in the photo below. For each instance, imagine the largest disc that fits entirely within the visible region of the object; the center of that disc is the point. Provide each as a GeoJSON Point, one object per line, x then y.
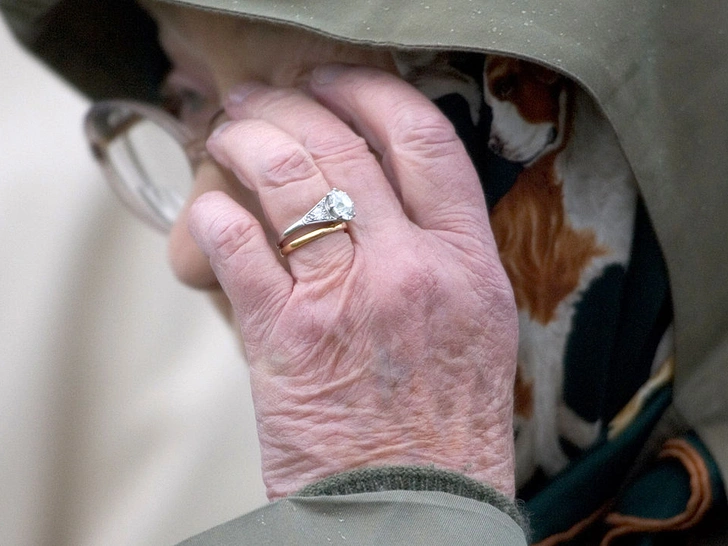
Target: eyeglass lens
{"type": "Point", "coordinates": [154, 166]}
{"type": "Point", "coordinates": [146, 163]}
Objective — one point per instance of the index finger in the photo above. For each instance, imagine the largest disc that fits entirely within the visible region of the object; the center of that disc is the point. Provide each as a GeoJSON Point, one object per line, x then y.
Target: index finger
{"type": "Point", "coordinates": [421, 152]}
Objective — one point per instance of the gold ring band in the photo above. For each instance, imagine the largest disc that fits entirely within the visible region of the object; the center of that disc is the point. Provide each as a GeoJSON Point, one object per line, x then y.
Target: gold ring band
{"type": "Point", "coordinates": [286, 249]}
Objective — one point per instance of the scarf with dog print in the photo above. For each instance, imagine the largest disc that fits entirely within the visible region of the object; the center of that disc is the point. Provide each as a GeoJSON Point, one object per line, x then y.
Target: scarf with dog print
{"type": "Point", "coordinates": [595, 345]}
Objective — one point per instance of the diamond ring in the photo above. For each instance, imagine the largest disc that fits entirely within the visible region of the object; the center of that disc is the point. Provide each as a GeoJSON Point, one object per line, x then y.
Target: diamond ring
{"type": "Point", "coordinates": [335, 206]}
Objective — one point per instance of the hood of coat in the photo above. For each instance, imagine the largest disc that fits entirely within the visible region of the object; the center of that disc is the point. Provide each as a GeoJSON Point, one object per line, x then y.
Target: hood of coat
{"type": "Point", "coordinates": [657, 69]}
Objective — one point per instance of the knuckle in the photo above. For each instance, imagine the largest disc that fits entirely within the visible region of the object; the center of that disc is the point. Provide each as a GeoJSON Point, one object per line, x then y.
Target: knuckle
{"type": "Point", "coordinates": [287, 163]}
{"type": "Point", "coordinates": [228, 235]}
{"type": "Point", "coordinates": [430, 135]}
{"type": "Point", "coordinates": [326, 144]}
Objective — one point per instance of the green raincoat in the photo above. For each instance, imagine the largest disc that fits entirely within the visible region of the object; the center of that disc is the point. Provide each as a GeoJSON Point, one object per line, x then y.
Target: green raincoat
{"type": "Point", "coordinates": [659, 72]}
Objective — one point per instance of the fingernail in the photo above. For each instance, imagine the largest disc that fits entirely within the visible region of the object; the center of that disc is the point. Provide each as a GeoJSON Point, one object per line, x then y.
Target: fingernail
{"type": "Point", "coordinates": [240, 92]}
{"type": "Point", "coordinates": [327, 73]}
{"type": "Point", "coordinates": [218, 130]}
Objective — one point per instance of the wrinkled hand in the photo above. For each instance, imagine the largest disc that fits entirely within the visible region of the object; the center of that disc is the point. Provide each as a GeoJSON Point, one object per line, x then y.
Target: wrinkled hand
{"type": "Point", "coordinates": [394, 343]}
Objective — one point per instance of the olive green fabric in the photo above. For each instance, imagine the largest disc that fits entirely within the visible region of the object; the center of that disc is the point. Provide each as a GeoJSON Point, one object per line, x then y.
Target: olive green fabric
{"type": "Point", "coordinates": [422, 518]}
{"type": "Point", "coordinates": [657, 68]}
{"type": "Point", "coordinates": [412, 478]}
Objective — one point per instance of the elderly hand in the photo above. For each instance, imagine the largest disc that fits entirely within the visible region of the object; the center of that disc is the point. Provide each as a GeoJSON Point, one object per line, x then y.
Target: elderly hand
{"type": "Point", "coordinates": [394, 342]}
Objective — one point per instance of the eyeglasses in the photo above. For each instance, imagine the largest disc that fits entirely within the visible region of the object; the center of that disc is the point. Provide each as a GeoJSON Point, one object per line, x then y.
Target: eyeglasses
{"type": "Point", "coordinates": [149, 157]}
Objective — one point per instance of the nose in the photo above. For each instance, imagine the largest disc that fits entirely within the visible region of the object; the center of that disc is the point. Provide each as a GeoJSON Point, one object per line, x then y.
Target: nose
{"type": "Point", "coordinates": [553, 133]}
{"type": "Point", "coordinates": [496, 145]}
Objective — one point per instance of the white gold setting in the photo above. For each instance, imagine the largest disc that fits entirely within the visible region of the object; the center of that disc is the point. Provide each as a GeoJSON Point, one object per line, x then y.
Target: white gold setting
{"type": "Point", "coordinates": [335, 206]}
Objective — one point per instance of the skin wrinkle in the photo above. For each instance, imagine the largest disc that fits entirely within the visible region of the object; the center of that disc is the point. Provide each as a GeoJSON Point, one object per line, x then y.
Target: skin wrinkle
{"type": "Point", "coordinates": [371, 355]}
{"type": "Point", "coordinates": [285, 168]}
{"type": "Point", "coordinates": [331, 148]}
{"type": "Point", "coordinates": [322, 145]}
{"type": "Point", "coordinates": [436, 141]}
{"type": "Point", "coordinates": [323, 455]}
{"type": "Point", "coordinates": [283, 57]}
{"type": "Point", "coordinates": [334, 293]}
{"type": "Point", "coordinates": [452, 215]}
{"type": "Point", "coordinates": [211, 52]}
{"type": "Point", "coordinates": [251, 314]}
{"type": "Point", "coordinates": [388, 377]}
{"type": "Point", "coordinates": [421, 287]}
{"type": "Point", "coordinates": [393, 375]}
{"type": "Point", "coordinates": [288, 164]}
{"type": "Point", "coordinates": [432, 138]}
{"type": "Point", "coordinates": [229, 236]}
{"type": "Point", "coordinates": [331, 328]}
{"type": "Point", "coordinates": [381, 443]}
{"type": "Point", "coordinates": [330, 423]}
{"type": "Point", "coordinates": [258, 303]}
{"type": "Point", "coordinates": [333, 272]}
{"type": "Point", "coordinates": [447, 352]}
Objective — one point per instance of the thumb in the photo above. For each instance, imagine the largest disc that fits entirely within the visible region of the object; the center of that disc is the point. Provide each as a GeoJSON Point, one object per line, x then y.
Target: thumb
{"type": "Point", "coordinates": [244, 264]}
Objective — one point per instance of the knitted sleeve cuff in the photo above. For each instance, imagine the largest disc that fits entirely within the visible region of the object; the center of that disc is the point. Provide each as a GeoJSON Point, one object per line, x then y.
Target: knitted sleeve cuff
{"type": "Point", "coordinates": [412, 478]}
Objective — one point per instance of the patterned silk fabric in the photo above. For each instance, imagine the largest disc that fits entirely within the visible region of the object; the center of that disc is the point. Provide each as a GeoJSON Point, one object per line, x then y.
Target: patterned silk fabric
{"type": "Point", "coordinates": [595, 362]}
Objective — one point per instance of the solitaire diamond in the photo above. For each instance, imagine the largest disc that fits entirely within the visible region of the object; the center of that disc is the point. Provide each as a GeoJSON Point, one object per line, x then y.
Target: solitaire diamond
{"type": "Point", "coordinates": [340, 205]}
{"type": "Point", "coordinates": [335, 206]}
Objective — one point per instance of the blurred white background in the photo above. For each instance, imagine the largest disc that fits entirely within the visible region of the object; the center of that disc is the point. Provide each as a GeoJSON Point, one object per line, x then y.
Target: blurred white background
{"type": "Point", "coordinates": [125, 414]}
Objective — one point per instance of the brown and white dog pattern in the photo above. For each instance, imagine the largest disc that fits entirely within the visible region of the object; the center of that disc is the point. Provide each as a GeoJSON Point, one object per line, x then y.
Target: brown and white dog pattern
{"type": "Point", "coordinates": [565, 224]}
{"type": "Point", "coordinates": [568, 217]}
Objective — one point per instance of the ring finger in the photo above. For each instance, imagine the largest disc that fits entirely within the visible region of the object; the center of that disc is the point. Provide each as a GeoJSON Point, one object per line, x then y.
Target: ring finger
{"type": "Point", "coordinates": [288, 182]}
{"type": "Point", "coordinates": [342, 156]}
